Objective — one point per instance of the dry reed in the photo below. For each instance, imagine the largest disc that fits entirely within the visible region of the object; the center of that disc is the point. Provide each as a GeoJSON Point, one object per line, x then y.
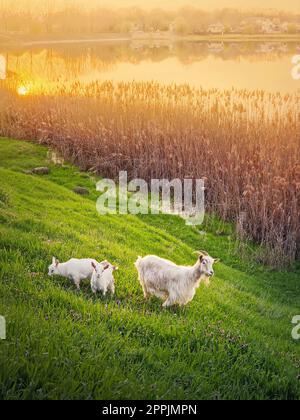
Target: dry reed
{"type": "Point", "coordinates": [245, 144]}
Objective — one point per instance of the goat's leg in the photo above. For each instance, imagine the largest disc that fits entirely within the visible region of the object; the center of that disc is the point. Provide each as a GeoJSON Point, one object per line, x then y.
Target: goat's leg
{"type": "Point", "coordinates": [158, 293]}
{"type": "Point", "coordinates": [187, 299]}
{"type": "Point", "coordinates": [146, 294]}
{"type": "Point", "coordinates": [144, 287]}
{"type": "Point", "coordinates": [77, 283]}
{"type": "Point", "coordinates": [112, 289]}
{"type": "Point", "coordinates": [169, 302]}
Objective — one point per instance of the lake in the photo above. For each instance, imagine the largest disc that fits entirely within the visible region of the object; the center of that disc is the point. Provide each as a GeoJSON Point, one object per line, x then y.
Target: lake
{"type": "Point", "coordinates": [243, 65]}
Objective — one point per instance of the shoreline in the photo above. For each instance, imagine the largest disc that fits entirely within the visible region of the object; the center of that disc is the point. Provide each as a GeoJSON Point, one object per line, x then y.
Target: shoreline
{"type": "Point", "coordinates": [27, 41]}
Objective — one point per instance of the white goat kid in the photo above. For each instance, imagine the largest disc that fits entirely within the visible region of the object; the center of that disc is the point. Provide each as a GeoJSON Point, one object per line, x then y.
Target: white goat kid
{"type": "Point", "coordinates": [102, 278]}
{"type": "Point", "coordinates": [176, 284]}
{"type": "Point", "coordinates": [74, 269]}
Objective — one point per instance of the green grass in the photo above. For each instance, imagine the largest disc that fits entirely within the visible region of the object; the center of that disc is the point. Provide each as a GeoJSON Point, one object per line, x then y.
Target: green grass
{"type": "Point", "coordinates": [233, 340]}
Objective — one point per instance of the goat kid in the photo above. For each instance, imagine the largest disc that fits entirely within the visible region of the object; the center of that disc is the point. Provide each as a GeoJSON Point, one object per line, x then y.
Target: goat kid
{"type": "Point", "coordinates": [102, 278]}
{"type": "Point", "coordinates": [176, 284]}
{"type": "Point", "coordinates": [74, 269]}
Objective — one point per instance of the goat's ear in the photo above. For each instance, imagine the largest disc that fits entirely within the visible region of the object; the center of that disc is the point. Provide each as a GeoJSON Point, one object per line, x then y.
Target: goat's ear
{"type": "Point", "coordinates": [53, 260]}
{"type": "Point", "coordinates": [115, 268]}
{"type": "Point", "coordinates": [216, 260]}
{"type": "Point", "coordinates": [56, 262]}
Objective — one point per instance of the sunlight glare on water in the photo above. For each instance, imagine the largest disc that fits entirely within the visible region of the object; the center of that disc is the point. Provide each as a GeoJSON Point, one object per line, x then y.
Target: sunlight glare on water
{"type": "Point", "coordinates": [23, 90]}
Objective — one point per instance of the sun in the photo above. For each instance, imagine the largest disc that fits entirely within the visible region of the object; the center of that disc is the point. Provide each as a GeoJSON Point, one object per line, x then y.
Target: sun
{"type": "Point", "coordinates": [23, 90]}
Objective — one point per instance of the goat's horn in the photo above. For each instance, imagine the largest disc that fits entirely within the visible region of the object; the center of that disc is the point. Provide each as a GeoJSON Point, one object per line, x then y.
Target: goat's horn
{"type": "Point", "coordinates": [204, 253]}
{"type": "Point", "coordinates": [201, 253]}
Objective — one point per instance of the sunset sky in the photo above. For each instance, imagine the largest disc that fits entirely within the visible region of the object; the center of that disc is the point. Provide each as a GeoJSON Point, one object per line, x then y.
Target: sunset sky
{"type": "Point", "coordinates": [290, 5]}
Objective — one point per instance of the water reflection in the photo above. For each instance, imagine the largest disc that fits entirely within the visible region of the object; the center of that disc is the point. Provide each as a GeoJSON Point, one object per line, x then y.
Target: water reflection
{"type": "Point", "coordinates": [264, 65]}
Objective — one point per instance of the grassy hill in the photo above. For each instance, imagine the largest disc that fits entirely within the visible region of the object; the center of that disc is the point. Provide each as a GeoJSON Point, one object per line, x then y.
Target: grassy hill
{"type": "Point", "coordinates": [233, 341]}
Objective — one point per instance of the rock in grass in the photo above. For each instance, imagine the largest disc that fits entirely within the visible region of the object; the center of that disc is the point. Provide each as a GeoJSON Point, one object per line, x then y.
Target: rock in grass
{"type": "Point", "coordinates": [41, 171]}
{"type": "Point", "coordinates": [81, 191]}
{"type": "Point", "coordinates": [37, 171]}
{"type": "Point", "coordinates": [221, 233]}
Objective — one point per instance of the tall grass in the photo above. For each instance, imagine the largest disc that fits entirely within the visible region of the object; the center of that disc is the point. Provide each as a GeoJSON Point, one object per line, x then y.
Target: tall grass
{"type": "Point", "coordinates": [245, 144]}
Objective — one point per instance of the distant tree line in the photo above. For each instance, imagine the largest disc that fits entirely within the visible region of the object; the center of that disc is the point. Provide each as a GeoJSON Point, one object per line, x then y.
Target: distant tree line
{"type": "Point", "coordinates": [73, 20]}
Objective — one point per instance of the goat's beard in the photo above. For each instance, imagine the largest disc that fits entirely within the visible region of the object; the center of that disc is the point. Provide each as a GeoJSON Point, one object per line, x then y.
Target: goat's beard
{"type": "Point", "coordinates": [206, 281]}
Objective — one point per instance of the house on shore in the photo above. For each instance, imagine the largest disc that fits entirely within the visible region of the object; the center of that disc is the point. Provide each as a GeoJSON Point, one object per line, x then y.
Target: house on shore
{"type": "Point", "coordinates": [216, 28]}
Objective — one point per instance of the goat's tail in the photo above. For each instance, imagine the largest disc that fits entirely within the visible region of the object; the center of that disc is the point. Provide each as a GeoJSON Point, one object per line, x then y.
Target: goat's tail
{"type": "Point", "coordinates": [138, 262]}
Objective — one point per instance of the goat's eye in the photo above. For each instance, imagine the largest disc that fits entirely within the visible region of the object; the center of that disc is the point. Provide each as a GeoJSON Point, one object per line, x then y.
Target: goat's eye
{"type": "Point", "coordinates": [204, 262]}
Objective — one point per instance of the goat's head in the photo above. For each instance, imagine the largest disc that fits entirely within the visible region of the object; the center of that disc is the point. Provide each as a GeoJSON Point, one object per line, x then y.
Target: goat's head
{"type": "Point", "coordinates": [207, 263]}
{"type": "Point", "coordinates": [101, 267]}
{"type": "Point", "coordinates": [53, 268]}
{"type": "Point", "coordinates": [108, 265]}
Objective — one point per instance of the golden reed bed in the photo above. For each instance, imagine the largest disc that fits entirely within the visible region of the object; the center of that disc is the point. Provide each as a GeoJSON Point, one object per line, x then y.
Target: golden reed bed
{"type": "Point", "coordinates": [245, 144]}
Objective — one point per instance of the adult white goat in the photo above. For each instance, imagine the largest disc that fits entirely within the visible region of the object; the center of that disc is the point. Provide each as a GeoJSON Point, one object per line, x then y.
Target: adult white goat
{"type": "Point", "coordinates": [102, 278]}
{"type": "Point", "coordinates": [74, 269]}
{"type": "Point", "coordinates": [176, 284]}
